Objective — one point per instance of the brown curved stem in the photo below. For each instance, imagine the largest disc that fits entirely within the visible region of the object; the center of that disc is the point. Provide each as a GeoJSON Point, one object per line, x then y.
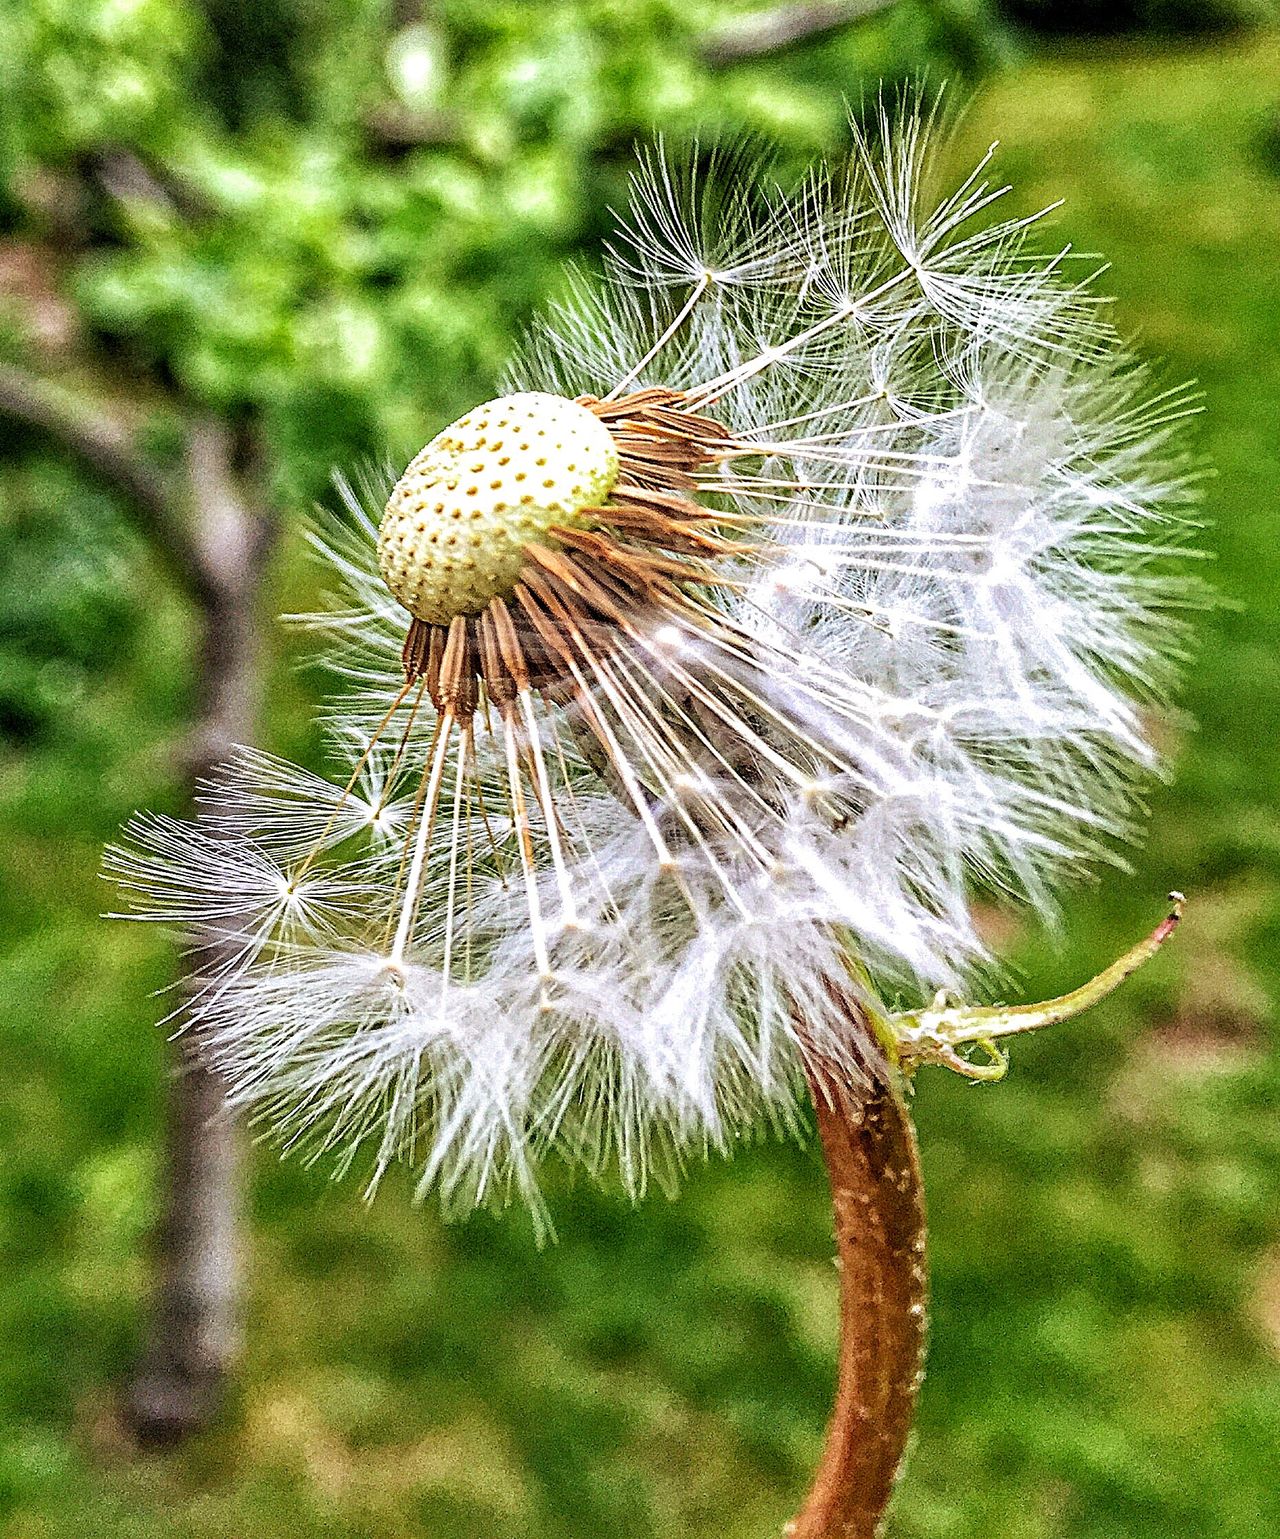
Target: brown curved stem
{"type": "Point", "coordinates": [870, 1150]}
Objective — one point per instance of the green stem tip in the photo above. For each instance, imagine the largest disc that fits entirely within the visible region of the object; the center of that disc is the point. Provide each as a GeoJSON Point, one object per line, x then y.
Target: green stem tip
{"type": "Point", "coordinates": [939, 1033]}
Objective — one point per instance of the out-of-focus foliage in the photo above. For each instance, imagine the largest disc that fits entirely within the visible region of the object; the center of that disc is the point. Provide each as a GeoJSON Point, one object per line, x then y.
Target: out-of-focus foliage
{"type": "Point", "coordinates": [333, 216]}
{"type": "Point", "coordinates": [68, 605]}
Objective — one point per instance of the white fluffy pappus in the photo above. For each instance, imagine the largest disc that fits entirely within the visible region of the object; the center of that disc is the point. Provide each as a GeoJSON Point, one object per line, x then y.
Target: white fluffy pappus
{"type": "Point", "coordinates": [870, 621]}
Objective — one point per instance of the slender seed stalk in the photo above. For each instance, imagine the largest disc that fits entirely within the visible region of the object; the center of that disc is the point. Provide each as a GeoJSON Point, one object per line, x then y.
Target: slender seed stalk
{"type": "Point", "coordinates": [877, 1194]}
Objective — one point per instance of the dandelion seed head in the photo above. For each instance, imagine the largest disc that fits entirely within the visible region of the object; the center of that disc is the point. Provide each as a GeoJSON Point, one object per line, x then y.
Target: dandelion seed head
{"type": "Point", "coordinates": [838, 588]}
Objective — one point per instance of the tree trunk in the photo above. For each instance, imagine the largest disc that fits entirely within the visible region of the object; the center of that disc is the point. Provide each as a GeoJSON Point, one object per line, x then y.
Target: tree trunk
{"type": "Point", "coordinates": [195, 1334]}
{"type": "Point", "coordinates": [215, 545]}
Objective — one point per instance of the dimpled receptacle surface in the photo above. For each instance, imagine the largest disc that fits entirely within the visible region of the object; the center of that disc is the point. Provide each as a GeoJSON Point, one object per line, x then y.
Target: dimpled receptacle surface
{"type": "Point", "coordinates": [500, 477]}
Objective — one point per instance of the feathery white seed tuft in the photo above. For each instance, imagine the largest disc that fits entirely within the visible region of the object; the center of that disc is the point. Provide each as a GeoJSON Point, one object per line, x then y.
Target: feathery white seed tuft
{"type": "Point", "coordinates": [872, 614]}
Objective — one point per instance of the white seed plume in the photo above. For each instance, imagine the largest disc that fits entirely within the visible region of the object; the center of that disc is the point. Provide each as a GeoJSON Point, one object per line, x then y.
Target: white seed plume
{"type": "Point", "coordinates": [812, 576]}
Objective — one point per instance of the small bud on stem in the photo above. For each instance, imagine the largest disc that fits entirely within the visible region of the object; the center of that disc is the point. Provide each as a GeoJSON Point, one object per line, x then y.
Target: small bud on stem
{"type": "Point", "coordinates": [938, 1034]}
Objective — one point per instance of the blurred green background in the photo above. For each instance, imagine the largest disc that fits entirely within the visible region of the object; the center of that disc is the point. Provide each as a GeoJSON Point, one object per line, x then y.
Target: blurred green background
{"type": "Point", "coordinates": [322, 221]}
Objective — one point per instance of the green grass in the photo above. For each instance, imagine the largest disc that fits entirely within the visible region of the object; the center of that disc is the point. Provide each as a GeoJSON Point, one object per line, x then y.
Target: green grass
{"type": "Point", "coordinates": [1106, 1256]}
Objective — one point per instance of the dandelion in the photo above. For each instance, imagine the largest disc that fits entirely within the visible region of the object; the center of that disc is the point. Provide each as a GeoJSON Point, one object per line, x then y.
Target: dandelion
{"type": "Point", "coordinates": [810, 577]}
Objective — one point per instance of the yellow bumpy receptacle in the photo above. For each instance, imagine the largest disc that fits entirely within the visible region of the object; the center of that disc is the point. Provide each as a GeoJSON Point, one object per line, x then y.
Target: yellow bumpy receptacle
{"type": "Point", "coordinates": [498, 479]}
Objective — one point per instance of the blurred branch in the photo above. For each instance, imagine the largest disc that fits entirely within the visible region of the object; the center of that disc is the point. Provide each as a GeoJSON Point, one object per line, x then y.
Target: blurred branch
{"type": "Point", "coordinates": [100, 441]}
{"type": "Point", "coordinates": [772, 31]}
{"type": "Point", "coordinates": [232, 542]}
{"type": "Point", "coordinates": [127, 179]}
{"type": "Point", "coordinates": [401, 127]}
